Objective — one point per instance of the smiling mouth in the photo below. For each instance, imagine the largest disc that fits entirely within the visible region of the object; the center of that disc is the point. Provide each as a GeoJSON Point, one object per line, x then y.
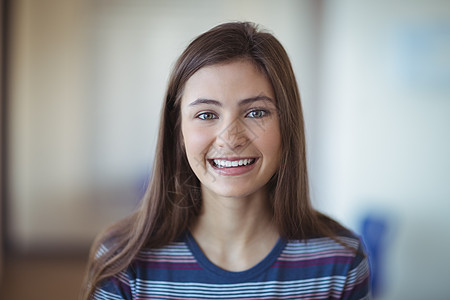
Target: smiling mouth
{"type": "Point", "coordinates": [223, 163]}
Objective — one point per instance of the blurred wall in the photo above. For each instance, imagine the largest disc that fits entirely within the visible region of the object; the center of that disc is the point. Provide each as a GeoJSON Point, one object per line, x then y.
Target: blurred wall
{"type": "Point", "coordinates": [48, 122]}
{"type": "Point", "coordinates": [383, 138]}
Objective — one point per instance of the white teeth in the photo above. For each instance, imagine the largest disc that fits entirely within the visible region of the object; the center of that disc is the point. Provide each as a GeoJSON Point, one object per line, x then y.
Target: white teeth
{"type": "Point", "coordinates": [228, 163]}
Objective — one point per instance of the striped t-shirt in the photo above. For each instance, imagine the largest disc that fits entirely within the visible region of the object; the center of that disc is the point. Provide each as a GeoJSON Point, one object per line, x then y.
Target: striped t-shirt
{"type": "Point", "coordinates": [317, 269]}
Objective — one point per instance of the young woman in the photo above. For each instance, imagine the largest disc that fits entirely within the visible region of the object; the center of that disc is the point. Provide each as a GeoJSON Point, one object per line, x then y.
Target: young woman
{"type": "Point", "coordinates": [227, 214]}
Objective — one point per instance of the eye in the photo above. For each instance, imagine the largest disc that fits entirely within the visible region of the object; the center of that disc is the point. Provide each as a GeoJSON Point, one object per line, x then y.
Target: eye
{"type": "Point", "coordinates": [257, 113]}
{"type": "Point", "coordinates": [206, 116]}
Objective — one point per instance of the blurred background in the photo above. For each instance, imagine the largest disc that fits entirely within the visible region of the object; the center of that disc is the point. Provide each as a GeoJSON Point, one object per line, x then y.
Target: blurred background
{"type": "Point", "coordinates": [82, 83]}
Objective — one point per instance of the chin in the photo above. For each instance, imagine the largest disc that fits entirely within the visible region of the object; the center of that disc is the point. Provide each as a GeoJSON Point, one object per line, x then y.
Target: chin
{"type": "Point", "coordinates": [233, 191]}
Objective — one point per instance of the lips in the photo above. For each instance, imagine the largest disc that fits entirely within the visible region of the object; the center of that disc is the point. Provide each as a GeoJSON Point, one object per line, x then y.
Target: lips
{"type": "Point", "coordinates": [232, 166]}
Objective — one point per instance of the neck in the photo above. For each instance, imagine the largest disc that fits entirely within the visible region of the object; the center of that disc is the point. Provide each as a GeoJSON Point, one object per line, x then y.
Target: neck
{"type": "Point", "coordinates": [235, 233]}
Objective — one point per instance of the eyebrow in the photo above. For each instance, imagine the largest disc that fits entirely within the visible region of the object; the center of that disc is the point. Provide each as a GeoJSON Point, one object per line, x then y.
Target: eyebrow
{"type": "Point", "coordinates": [241, 102]}
{"type": "Point", "coordinates": [205, 101]}
{"type": "Point", "coordinates": [254, 99]}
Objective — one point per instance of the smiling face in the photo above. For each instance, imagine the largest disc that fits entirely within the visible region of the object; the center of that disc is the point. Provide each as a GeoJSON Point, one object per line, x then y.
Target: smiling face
{"type": "Point", "coordinates": [230, 128]}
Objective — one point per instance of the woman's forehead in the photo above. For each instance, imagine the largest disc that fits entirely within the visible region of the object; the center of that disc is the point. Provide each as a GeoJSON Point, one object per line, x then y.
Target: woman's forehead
{"type": "Point", "coordinates": [236, 80]}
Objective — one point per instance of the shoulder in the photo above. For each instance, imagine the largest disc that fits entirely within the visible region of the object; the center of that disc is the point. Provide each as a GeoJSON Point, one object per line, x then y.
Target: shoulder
{"type": "Point", "coordinates": [171, 254]}
{"type": "Point", "coordinates": [150, 263]}
{"type": "Point", "coordinates": [341, 253]}
{"type": "Point", "coordinates": [344, 243]}
{"type": "Point", "coordinates": [332, 231]}
{"type": "Point", "coordinates": [340, 259]}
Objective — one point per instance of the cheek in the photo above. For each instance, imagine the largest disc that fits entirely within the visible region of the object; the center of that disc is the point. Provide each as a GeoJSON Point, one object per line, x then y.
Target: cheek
{"type": "Point", "coordinates": [269, 141]}
{"type": "Point", "coordinates": [196, 141]}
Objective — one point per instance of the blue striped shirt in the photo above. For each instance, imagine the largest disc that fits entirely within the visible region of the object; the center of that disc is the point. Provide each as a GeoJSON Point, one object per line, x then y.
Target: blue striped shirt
{"type": "Point", "coordinates": [319, 268]}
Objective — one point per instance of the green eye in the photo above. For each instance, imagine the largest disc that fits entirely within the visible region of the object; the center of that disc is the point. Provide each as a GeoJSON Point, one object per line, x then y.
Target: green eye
{"type": "Point", "coordinates": [207, 116]}
{"type": "Point", "coordinates": [257, 114]}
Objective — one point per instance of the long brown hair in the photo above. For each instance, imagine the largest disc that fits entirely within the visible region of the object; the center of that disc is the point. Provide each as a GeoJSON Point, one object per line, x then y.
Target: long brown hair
{"type": "Point", "coordinates": [173, 198]}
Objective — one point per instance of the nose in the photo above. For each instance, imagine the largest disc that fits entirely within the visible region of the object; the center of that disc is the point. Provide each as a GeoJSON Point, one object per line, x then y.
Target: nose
{"type": "Point", "coordinates": [234, 136]}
